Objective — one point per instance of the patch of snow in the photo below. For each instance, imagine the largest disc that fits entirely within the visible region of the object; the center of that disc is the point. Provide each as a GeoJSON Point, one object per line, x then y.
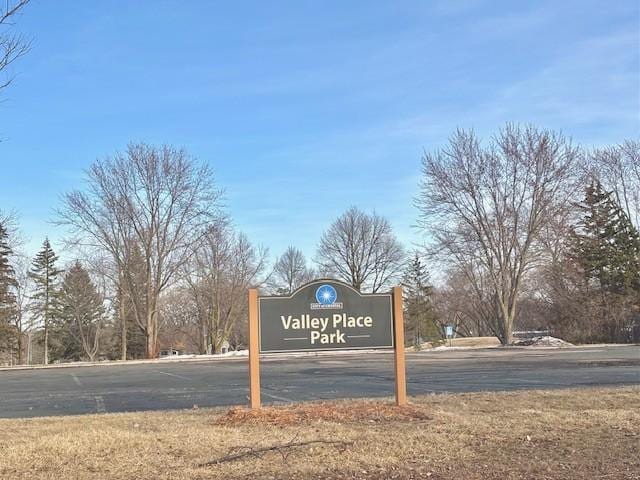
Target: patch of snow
{"type": "Point", "coordinates": [234, 353]}
{"type": "Point", "coordinates": [442, 348]}
{"type": "Point", "coordinates": [543, 341]}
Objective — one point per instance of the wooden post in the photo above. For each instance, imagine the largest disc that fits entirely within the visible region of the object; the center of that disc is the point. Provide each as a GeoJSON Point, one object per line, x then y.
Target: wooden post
{"type": "Point", "coordinates": [254, 351]}
{"type": "Point", "coordinates": [398, 331]}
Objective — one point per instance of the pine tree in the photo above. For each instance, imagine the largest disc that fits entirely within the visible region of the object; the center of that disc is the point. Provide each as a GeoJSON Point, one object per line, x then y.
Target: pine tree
{"type": "Point", "coordinates": [606, 249]}
{"type": "Point", "coordinates": [8, 305]}
{"type": "Point", "coordinates": [606, 244]}
{"type": "Point", "coordinates": [80, 315]}
{"type": "Point", "coordinates": [129, 344]}
{"type": "Point", "coordinates": [45, 277]}
{"type": "Point", "coordinates": [626, 264]}
{"type": "Point", "coordinates": [419, 312]}
{"type": "Point", "coordinates": [132, 298]}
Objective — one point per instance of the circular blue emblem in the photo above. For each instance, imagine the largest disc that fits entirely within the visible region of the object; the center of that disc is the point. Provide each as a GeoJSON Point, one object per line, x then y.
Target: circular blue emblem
{"type": "Point", "coordinates": [326, 295]}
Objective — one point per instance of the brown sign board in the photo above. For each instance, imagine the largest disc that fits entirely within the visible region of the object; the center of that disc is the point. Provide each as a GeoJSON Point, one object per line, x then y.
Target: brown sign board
{"type": "Point", "coordinates": [325, 315]}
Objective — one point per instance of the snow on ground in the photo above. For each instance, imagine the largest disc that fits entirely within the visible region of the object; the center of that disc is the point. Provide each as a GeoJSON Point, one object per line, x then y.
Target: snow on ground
{"type": "Point", "coordinates": [447, 348]}
{"type": "Point", "coordinates": [235, 353]}
{"type": "Point", "coordinates": [540, 341]}
{"type": "Point", "coordinates": [543, 341]}
{"type": "Point", "coordinates": [245, 353]}
{"type": "Point", "coordinates": [232, 353]}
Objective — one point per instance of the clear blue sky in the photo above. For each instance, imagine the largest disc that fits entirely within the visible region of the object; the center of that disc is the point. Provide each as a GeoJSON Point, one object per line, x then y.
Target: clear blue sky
{"type": "Point", "coordinates": [304, 108]}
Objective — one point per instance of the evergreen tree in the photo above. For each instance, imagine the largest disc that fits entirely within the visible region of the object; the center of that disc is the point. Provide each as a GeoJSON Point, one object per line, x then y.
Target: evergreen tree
{"type": "Point", "coordinates": [606, 244]}
{"type": "Point", "coordinates": [80, 316]}
{"type": "Point", "coordinates": [133, 338]}
{"type": "Point", "coordinates": [45, 278]}
{"type": "Point", "coordinates": [132, 303]}
{"type": "Point", "coordinates": [419, 313]}
{"type": "Point", "coordinates": [605, 247]}
{"type": "Point", "coordinates": [8, 304]}
{"type": "Point", "coordinates": [626, 261]}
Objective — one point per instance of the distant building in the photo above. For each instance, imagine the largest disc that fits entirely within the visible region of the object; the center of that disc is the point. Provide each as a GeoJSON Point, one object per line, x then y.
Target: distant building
{"type": "Point", "coordinates": [171, 352]}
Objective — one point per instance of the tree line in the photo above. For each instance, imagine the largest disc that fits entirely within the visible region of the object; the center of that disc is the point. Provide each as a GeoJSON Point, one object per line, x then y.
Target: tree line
{"type": "Point", "coordinates": [159, 263]}
{"type": "Point", "coordinates": [534, 232]}
{"type": "Point", "coordinates": [526, 231]}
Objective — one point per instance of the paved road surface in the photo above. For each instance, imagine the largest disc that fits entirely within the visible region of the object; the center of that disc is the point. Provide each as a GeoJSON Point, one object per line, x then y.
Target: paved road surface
{"type": "Point", "coordinates": [172, 385]}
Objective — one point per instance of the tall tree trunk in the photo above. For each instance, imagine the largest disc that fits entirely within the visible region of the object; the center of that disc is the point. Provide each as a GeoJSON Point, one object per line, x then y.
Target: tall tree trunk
{"type": "Point", "coordinates": [29, 355]}
{"type": "Point", "coordinates": [204, 338]}
{"type": "Point", "coordinates": [46, 317]}
{"type": "Point", "coordinates": [19, 344]}
{"type": "Point", "coordinates": [149, 347]}
{"type": "Point", "coordinates": [152, 334]}
{"type": "Point", "coordinates": [46, 340]}
{"type": "Point", "coordinates": [508, 330]}
{"type": "Point", "coordinates": [123, 324]}
{"type": "Point", "coordinates": [124, 339]}
{"type": "Point", "coordinates": [151, 317]}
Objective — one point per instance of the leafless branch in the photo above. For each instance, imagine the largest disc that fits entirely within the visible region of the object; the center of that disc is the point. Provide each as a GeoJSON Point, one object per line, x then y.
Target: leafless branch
{"type": "Point", "coordinates": [12, 46]}
{"type": "Point", "coordinates": [291, 271]}
{"type": "Point", "coordinates": [485, 207]}
{"type": "Point", "coordinates": [242, 452]}
{"type": "Point", "coordinates": [149, 209]}
{"type": "Point", "coordinates": [361, 250]}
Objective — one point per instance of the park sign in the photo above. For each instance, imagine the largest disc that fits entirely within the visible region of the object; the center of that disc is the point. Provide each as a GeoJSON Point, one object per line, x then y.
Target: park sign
{"type": "Point", "coordinates": [325, 315]}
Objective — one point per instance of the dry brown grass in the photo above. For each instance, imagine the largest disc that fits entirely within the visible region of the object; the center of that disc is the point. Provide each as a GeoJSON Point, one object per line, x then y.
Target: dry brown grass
{"type": "Point", "coordinates": [474, 342]}
{"type": "Point", "coordinates": [564, 434]}
{"type": "Point", "coordinates": [337, 412]}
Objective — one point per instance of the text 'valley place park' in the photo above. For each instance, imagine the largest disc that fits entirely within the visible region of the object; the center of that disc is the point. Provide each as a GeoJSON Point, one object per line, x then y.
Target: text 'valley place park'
{"type": "Point", "coordinates": [317, 326]}
{"type": "Point", "coordinates": [325, 314]}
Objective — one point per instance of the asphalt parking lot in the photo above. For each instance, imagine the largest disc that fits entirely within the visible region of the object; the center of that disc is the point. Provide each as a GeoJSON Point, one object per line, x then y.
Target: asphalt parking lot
{"type": "Point", "coordinates": [176, 385]}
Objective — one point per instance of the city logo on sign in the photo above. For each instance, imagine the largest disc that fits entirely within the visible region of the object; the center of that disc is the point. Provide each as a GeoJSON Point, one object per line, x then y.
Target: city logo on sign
{"type": "Point", "coordinates": [326, 297]}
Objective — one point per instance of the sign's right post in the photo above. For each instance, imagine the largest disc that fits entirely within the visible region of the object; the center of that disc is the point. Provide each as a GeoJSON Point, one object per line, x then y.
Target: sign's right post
{"type": "Point", "coordinates": [398, 330]}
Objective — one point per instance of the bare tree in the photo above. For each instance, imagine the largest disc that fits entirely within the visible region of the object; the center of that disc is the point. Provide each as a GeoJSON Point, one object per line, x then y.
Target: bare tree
{"type": "Point", "coordinates": [618, 169]}
{"type": "Point", "coordinates": [10, 221]}
{"type": "Point", "coordinates": [361, 250]}
{"type": "Point", "coordinates": [25, 322]}
{"type": "Point", "coordinates": [155, 199]}
{"type": "Point", "coordinates": [484, 208]}
{"type": "Point", "coordinates": [291, 271]}
{"type": "Point", "coordinates": [245, 272]}
{"type": "Point", "coordinates": [12, 46]}
{"type": "Point", "coordinates": [180, 327]}
{"type": "Point", "coordinates": [224, 266]}
{"type": "Point", "coordinates": [464, 302]}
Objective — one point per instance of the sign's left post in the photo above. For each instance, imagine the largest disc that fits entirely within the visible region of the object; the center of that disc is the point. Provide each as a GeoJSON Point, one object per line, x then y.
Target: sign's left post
{"type": "Point", "coordinates": [254, 351]}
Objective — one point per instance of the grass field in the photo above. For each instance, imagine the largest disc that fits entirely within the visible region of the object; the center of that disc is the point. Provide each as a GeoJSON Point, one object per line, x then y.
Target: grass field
{"type": "Point", "coordinates": [563, 434]}
{"type": "Point", "coordinates": [467, 342]}
{"type": "Point", "coordinates": [477, 342]}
